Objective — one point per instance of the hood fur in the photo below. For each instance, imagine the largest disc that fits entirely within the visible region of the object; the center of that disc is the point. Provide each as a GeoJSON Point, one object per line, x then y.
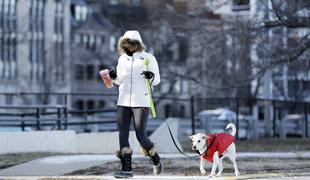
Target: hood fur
{"type": "Point", "coordinates": [130, 38]}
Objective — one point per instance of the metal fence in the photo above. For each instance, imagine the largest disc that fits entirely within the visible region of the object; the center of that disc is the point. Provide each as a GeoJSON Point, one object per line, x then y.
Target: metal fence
{"type": "Point", "coordinates": [271, 116]}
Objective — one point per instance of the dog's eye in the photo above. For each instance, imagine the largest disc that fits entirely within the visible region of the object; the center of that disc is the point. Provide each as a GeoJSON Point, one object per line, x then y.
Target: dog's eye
{"type": "Point", "coordinates": [198, 141]}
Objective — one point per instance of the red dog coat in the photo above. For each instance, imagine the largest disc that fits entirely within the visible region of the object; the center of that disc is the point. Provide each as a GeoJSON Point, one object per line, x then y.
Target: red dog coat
{"type": "Point", "coordinates": [217, 142]}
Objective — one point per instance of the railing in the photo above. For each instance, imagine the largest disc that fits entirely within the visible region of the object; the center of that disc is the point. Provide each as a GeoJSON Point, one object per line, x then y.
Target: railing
{"type": "Point", "coordinates": [20, 118]}
{"type": "Point", "coordinates": [279, 109]}
{"type": "Point", "coordinates": [44, 115]}
{"type": "Point", "coordinates": [193, 106]}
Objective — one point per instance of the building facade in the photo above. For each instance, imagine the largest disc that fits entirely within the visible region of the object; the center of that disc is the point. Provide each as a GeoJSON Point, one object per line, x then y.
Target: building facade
{"type": "Point", "coordinates": [35, 48]}
{"type": "Point", "coordinates": [93, 48]}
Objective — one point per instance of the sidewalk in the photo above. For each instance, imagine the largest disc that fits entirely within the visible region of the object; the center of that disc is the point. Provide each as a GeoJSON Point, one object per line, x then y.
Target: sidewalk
{"type": "Point", "coordinates": [60, 165]}
{"type": "Point", "coordinates": [147, 177]}
{"type": "Point", "coordinates": [254, 176]}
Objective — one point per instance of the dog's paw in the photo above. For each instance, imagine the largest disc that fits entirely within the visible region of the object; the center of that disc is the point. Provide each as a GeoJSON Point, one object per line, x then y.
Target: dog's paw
{"type": "Point", "coordinates": [237, 173]}
{"type": "Point", "coordinates": [203, 171]}
{"type": "Point", "coordinates": [218, 175]}
{"type": "Point", "coordinates": [210, 176]}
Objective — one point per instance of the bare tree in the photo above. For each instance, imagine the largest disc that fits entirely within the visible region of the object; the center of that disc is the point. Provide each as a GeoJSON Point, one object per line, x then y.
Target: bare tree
{"type": "Point", "coordinates": [219, 47]}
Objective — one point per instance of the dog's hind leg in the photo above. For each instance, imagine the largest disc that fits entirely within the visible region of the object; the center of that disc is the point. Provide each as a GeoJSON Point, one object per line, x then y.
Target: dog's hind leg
{"type": "Point", "coordinates": [232, 157]}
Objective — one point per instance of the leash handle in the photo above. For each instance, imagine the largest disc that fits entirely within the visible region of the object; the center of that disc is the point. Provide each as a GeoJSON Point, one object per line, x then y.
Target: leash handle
{"type": "Point", "coordinates": [148, 87]}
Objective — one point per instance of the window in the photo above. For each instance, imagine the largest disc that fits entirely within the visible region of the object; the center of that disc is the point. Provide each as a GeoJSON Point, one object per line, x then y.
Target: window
{"type": "Point", "coordinates": [90, 72]}
{"type": "Point", "coordinates": [79, 72]}
{"type": "Point", "coordinates": [182, 111]}
{"type": "Point", "coordinates": [79, 104]}
{"type": "Point", "coordinates": [91, 45]}
{"type": "Point", "coordinates": [8, 99]}
{"type": "Point", "coordinates": [240, 5]}
{"type": "Point", "coordinates": [165, 87]}
{"type": "Point", "coordinates": [77, 39]}
{"type": "Point", "coordinates": [100, 39]}
{"type": "Point", "coordinates": [112, 43]}
{"type": "Point", "coordinates": [241, 2]}
{"type": "Point", "coordinates": [36, 28]}
{"type": "Point", "coordinates": [90, 104]}
{"type": "Point", "coordinates": [101, 104]}
{"type": "Point", "coordinates": [167, 110]}
{"type": "Point", "coordinates": [84, 13]}
{"type": "Point", "coordinates": [85, 39]}
{"type": "Point", "coordinates": [178, 86]}
{"type": "Point", "coordinates": [61, 99]}
{"type": "Point", "coordinates": [229, 66]}
{"type": "Point", "coordinates": [183, 48]}
{"type": "Point", "coordinates": [58, 41]}
{"type": "Point", "coordinates": [79, 12]}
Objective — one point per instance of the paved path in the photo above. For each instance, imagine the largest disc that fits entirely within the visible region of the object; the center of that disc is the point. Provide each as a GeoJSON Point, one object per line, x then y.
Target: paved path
{"type": "Point", "coordinates": [252, 176]}
{"type": "Point", "coordinates": [60, 165]}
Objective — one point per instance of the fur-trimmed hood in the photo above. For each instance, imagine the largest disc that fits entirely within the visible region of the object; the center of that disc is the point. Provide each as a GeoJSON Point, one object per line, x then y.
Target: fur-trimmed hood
{"type": "Point", "coordinates": [133, 35]}
{"type": "Point", "coordinates": [129, 38]}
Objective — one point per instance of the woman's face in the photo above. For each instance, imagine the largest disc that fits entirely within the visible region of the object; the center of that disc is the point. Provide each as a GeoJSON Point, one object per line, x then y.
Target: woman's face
{"type": "Point", "coordinates": [131, 46]}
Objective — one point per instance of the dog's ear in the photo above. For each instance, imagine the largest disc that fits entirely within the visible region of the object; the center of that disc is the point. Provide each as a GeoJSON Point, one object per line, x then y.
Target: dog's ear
{"type": "Point", "coordinates": [204, 137]}
{"type": "Point", "coordinates": [191, 137]}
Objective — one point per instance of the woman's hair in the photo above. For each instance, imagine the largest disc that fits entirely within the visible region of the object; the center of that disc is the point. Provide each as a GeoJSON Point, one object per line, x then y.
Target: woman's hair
{"type": "Point", "coordinates": [125, 43]}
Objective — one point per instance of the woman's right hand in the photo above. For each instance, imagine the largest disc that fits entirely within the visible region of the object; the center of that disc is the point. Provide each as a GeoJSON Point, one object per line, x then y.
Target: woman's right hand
{"type": "Point", "coordinates": [112, 74]}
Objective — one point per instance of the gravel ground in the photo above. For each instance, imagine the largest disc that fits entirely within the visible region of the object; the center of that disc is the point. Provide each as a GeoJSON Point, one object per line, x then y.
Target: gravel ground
{"type": "Point", "coordinates": [190, 167]}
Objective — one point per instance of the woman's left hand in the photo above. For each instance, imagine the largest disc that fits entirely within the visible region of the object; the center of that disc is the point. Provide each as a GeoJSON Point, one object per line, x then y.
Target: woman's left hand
{"type": "Point", "coordinates": [148, 74]}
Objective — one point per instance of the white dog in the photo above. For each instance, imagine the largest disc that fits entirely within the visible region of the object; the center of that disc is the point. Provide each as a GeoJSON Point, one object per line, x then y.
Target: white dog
{"type": "Point", "coordinates": [214, 148]}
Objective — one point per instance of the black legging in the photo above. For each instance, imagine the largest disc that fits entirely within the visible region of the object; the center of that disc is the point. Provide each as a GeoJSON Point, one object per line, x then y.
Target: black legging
{"type": "Point", "coordinates": [140, 116]}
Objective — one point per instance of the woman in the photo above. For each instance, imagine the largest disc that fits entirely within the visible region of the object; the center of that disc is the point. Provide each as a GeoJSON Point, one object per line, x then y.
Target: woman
{"type": "Point", "coordinates": [133, 100]}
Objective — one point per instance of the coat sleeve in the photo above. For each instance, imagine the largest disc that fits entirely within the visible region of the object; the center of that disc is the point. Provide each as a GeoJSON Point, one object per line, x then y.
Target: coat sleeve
{"type": "Point", "coordinates": [118, 80]}
{"type": "Point", "coordinates": [154, 68]}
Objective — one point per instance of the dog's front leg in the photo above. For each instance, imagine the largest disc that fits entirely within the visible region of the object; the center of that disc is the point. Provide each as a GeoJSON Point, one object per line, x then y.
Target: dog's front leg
{"type": "Point", "coordinates": [202, 166]}
{"type": "Point", "coordinates": [215, 163]}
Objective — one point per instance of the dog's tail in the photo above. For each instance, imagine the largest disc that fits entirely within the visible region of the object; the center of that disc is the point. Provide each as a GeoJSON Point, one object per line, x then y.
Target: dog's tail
{"type": "Point", "coordinates": [233, 127]}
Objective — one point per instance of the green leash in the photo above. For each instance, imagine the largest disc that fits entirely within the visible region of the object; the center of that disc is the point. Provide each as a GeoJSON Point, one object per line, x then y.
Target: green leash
{"type": "Point", "coordinates": [148, 87]}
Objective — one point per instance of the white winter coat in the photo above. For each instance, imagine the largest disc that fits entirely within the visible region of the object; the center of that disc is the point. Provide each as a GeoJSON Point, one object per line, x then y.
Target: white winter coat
{"type": "Point", "coordinates": [132, 85]}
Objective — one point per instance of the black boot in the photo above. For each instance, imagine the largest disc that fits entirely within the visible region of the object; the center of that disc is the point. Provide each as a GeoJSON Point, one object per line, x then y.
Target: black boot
{"type": "Point", "coordinates": [126, 170]}
{"type": "Point", "coordinates": [155, 160]}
